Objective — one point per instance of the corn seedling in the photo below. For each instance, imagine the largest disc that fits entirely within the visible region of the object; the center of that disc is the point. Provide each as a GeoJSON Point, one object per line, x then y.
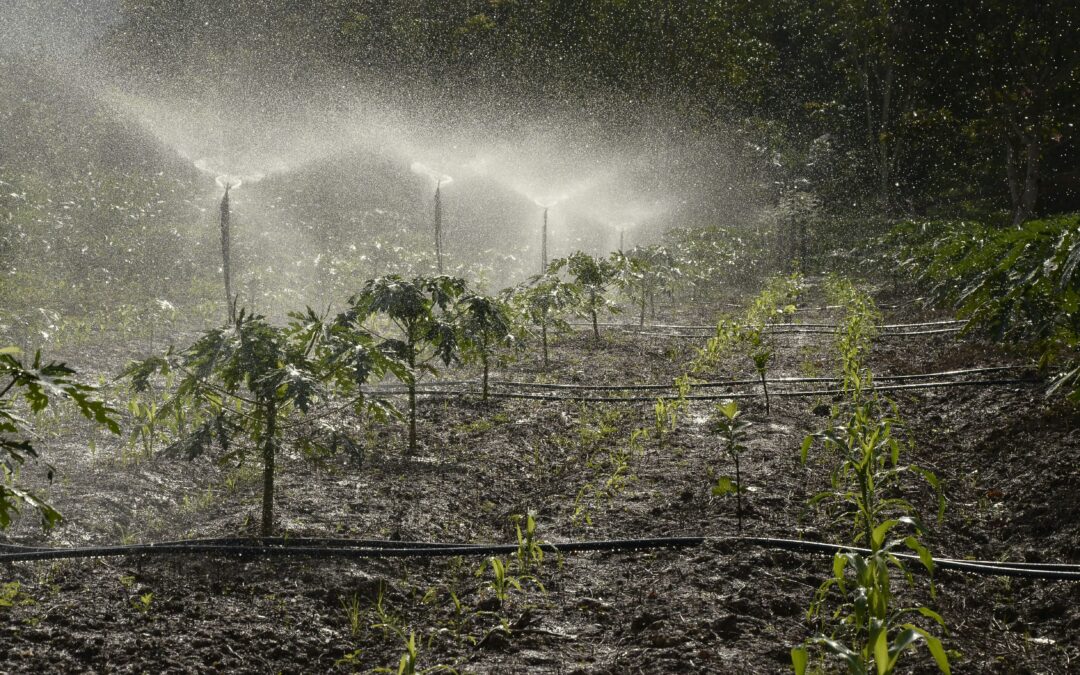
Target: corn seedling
{"type": "Point", "coordinates": [666, 411]}
{"type": "Point", "coordinates": [872, 633]}
{"type": "Point", "coordinates": [9, 593]}
{"type": "Point", "coordinates": [761, 353]}
{"type": "Point", "coordinates": [581, 516]}
{"type": "Point", "coordinates": [410, 659]}
{"type": "Point", "coordinates": [530, 553]}
{"type": "Point", "coordinates": [353, 613]}
{"type": "Point", "coordinates": [501, 580]}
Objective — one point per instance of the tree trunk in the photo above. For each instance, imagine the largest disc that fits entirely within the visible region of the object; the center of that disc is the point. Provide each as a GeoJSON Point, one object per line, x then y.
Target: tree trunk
{"type": "Point", "coordinates": [592, 311]}
{"type": "Point", "coordinates": [641, 318]}
{"type": "Point", "coordinates": [765, 388]}
{"type": "Point", "coordinates": [738, 492]}
{"type": "Point", "coordinates": [1023, 189]}
{"type": "Point", "coordinates": [412, 399]}
{"type": "Point", "coordinates": [412, 415]}
{"type": "Point", "coordinates": [484, 361]}
{"type": "Point", "coordinates": [268, 452]}
{"type": "Point", "coordinates": [885, 139]}
{"type": "Point", "coordinates": [543, 338]}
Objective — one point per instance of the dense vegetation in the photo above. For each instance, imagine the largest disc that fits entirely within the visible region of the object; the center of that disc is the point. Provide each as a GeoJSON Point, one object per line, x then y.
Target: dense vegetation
{"type": "Point", "coordinates": [899, 149]}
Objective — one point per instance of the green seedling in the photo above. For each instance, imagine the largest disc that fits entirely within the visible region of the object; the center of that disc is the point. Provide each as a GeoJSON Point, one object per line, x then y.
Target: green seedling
{"type": "Point", "coordinates": [501, 579]}
{"type": "Point", "coordinates": [761, 353]}
{"type": "Point", "coordinates": [733, 431]}
{"type": "Point", "coordinates": [530, 552]}
{"type": "Point", "coordinates": [143, 602]}
{"type": "Point", "coordinates": [353, 613]}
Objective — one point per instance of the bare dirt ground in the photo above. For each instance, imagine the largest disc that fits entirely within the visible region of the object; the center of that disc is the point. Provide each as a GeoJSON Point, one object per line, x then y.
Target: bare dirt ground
{"type": "Point", "coordinates": [1006, 455]}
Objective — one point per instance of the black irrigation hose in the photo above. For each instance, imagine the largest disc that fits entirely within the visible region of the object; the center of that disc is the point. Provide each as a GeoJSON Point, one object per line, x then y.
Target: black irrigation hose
{"type": "Point", "coordinates": [1051, 571]}
{"type": "Point", "coordinates": [633, 327]}
{"type": "Point", "coordinates": [811, 331]}
{"type": "Point", "coordinates": [353, 549]}
{"type": "Point", "coordinates": [734, 395]}
{"type": "Point", "coordinates": [384, 550]}
{"type": "Point", "coordinates": [729, 383]}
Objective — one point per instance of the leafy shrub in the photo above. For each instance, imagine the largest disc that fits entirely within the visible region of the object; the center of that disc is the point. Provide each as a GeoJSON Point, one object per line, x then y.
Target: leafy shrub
{"type": "Point", "coordinates": [40, 385]}
{"type": "Point", "coordinates": [1017, 283]}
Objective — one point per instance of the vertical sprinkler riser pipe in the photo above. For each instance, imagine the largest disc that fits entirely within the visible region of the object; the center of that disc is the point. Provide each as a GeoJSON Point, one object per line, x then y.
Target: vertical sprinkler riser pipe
{"type": "Point", "coordinates": [543, 243]}
{"type": "Point", "coordinates": [226, 243]}
{"type": "Point", "coordinates": [438, 227]}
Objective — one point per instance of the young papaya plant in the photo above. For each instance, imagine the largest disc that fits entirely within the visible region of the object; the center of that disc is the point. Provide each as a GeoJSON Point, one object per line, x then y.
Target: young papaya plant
{"type": "Point", "coordinates": [542, 301]}
{"type": "Point", "coordinates": [40, 385]}
{"type": "Point", "coordinates": [592, 276]}
{"type": "Point", "coordinates": [421, 309]}
{"type": "Point", "coordinates": [642, 273]}
{"type": "Point", "coordinates": [244, 380]}
{"type": "Point", "coordinates": [484, 324]}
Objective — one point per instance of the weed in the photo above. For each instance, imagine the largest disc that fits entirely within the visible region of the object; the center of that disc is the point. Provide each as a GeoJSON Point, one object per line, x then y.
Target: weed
{"type": "Point", "coordinates": [10, 594]}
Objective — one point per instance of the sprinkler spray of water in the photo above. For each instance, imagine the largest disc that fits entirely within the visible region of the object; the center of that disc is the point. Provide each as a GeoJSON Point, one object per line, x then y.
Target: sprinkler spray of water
{"type": "Point", "coordinates": [440, 179]}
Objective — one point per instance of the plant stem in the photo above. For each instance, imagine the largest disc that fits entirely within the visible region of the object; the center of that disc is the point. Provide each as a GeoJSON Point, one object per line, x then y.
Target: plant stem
{"type": "Point", "coordinates": [484, 360]}
{"type": "Point", "coordinates": [267, 525]}
{"type": "Point", "coordinates": [543, 336]}
{"type": "Point", "coordinates": [412, 415]}
{"type": "Point", "coordinates": [738, 492]}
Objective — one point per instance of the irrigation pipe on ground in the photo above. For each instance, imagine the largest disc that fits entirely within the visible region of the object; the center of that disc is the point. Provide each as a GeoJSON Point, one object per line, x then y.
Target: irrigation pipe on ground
{"type": "Point", "coordinates": [740, 395]}
{"type": "Point", "coordinates": [728, 383]}
{"type": "Point", "coordinates": [354, 549]}
{"type": "Point", "coordinates": [810, 331]}
{"type": "Point", "coordinates": [435, 387]}
{"type": "Point", "coordinates": [631, 327]}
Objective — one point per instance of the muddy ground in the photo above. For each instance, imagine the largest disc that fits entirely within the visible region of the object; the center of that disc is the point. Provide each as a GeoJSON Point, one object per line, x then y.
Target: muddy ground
{"type": "Point", "coordinates": [1006, 455]}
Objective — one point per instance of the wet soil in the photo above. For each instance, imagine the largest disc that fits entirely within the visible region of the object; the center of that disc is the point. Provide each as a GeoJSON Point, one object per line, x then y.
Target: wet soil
{"type": "Point", "coordinates": [1006, 456]}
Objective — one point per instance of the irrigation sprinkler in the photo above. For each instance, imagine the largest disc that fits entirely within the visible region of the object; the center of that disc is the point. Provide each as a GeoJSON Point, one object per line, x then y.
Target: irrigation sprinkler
{"type": "Point", "coordinates": [438, 227]}
{"type": "Point", "coordinates": [543, 244]}
{"type": "Point", "coordinates": [439, 179]}
{"type": "Point", "coordinates": [547, 206]}
{"type": "Point", "coordinates": [230, 299]}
